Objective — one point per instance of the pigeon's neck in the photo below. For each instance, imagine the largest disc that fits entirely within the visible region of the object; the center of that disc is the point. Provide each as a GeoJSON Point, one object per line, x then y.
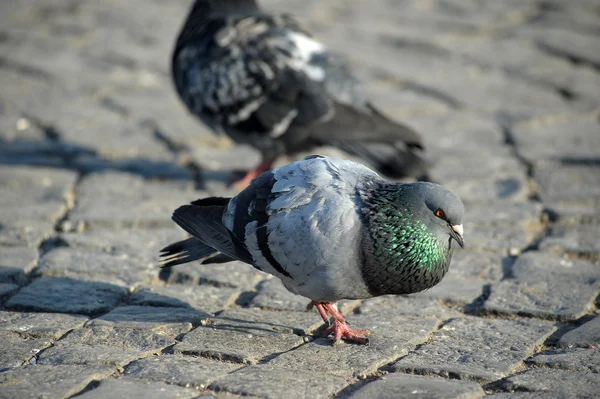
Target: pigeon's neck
{"type": "Point", "coordinates": [400, 254]}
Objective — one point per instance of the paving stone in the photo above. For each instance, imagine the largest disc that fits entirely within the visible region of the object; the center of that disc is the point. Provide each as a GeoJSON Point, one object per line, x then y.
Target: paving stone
{"type": "Point", "coordinates": [392, 336]}
{"type": "Point", "coordinates": [546, 139]}
{"type": "Point", "coordinates": [503, 185]}
{"type": "Point", "coordinates": [7, 289]}
{"type": "Point", "coordinates": [531, 395]}
{"type": "Point", "coordinates": [119, 269]}
{"type": "Point", "coordinates": [186, 371]}
{"type": "Point", "coordinates": [40, 325]}
{"type": "Point", "coordinates": [266, 382]}
{"type": "Point", "coordinates": [547, 286]}
{"type": "Point", "coordinates": [15, 263]}
{"type": "Point", "coordinates": [519, 56]}
{"type": "Point", "coordinates": [137, 243]}
{"type": "Point", "coordinates": [232, 274]}
{"type": "Point", "coordinates": [586, 335]}
{"type": "Point", "coordinates": [469, 275]}
{"type": "Point", "coordinates": [490, 89]}
{"type": "Point", "coordinates": [408, 305]}
{"type": "Point", "coordinates": [32, 199]}
{"type": "Point", "coordinates": [503, 213]}
{"type": "Point", "coordinates": [97, 337]}
{"type": "Point", "coordinates": [93, 355]}
{"type": "Point", "coordinates": [475, 348]}
{"type": "Point", "coordinates": [582, 239]}
{"type": "Point", "coordinates": [49, 381]}
{"type": "Point", "coordinates": [273, 295]}
{"type": "Point", "coordinates": [120, 199]}
{"type": "Point", "coordinates": [205, 298]}
{"type": "Point", "coordinates": [568, 182]}
{"type": "Point", "coordinates": [134, 389]}
{"type": "Point", "coordinates": [572, 45]}
{"type": "Point", "coordinates": [66, 295]}
{"type": "Point", "coordinates": [415, 386]}
{"type": "Point", "coordinates": [573, 214]}
{"type": "Point", "coordinates": [248, 335]}
{"type": "Point", "coordinates": [158, 319]}
{"type": "Point", "coordinates": [501, 239]}
{"type": "Point", "coordinates": [558, 382]}
{"type": "Point", "coordinates": [575, 359]}
{"type": "Point", "coordinates": [15, 351]}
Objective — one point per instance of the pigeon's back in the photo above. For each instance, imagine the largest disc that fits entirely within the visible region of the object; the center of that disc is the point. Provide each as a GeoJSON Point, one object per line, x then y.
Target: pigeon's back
{"type": "Point", "coordinates": [311, 223]}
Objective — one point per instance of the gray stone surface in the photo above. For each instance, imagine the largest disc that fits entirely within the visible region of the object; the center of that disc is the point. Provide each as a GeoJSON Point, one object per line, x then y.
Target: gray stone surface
{"type": "Point", "coordinates": [582, 239]}
{"type": "Point", "coordinates": [33, 199]}
{"type": "Point", "coordinates": [273, 295]}
{"type": "Point", "coordinates": [6, 289]}
{"type": "Point", "coordinates": [248, 335]}
{"type": "Point", "coordinates": [118, 269]}
{"type": "Point", "coordinates": [587, 335]}
{"type": "Point", "coordinates": [186, 371]}
{"type": "Point", "coordinates": [547, 286]}
{"type": "Point", "coordinates": [415, 386]}
{"type": "Point", "coordinates": [391, 337]}
{"type": "Point", "coordinates": [96, 354]}
{"type": "Point", "coordinates": [568, 182]}
{"type": "Point", "coordinates": [40, 325]}
{"type": "Point", "coordinates": [232, 274]}
{"type": "Point", "coordinates": [154, 318]}
{"type": "Point", "coordinates": [49, 381]}
{"type": "Point", "coordinates": [205, 298]}
{"type": "Point", "coordinates": [265, 382]}
{"type": "Point", "coordinates": [16, 351]}
{"type": "Point", "coordinates": [97, 150]}
{"type": "Point", "coordinates": [558, 138]}
{"type": "Point", "coordinates": [66, 295]}
{"type": "Point", "coordinates": [135, 389]}
{"type": "Point", "coordinates": [120, 199]}
{"type": "Point", "coordinates": [15, 263]}
{"type": "Point", "coordinates": [479, 349]}
{"type": "Point", "coordinates": [559, 382]}
{"type": "Point", "coordinates": [575, 359]}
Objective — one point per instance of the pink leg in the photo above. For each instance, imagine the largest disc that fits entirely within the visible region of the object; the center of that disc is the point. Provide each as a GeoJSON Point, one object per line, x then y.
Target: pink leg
{"type": "Point", "coordinates": [339, 328]}
{"type": "Point", "coordinates": [247, 179]}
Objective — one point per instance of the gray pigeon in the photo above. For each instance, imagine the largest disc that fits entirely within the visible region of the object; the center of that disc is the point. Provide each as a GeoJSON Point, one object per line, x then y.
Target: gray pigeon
{"type": "Point", "coordinates": [330, 229]}
{"type": "Point", "coordinates": [265, 81]}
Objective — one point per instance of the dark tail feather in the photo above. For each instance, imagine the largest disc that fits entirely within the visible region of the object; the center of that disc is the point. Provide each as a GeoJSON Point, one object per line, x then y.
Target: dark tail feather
{"type": "Point", "coordinates": [389, 159]}
{"type": "Point", "coordinates": [186, 251]}
{"type": "Point", "coordinates": [203, 221]}
{"type": "Point", "coordinates": [356, 125]}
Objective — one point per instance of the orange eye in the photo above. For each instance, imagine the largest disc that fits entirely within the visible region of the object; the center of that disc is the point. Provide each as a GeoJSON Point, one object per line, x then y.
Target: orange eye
{"type": "Point", "coordinates": [439, 213]}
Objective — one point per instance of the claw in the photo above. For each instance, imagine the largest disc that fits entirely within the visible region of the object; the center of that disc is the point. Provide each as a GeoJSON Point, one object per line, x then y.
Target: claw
{"type": "Point", "coordinates": [339, 328]}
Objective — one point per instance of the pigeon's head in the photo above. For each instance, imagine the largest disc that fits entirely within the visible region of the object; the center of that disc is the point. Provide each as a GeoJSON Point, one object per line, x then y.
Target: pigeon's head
{"type": "Point", "coordinates": [440, 209]}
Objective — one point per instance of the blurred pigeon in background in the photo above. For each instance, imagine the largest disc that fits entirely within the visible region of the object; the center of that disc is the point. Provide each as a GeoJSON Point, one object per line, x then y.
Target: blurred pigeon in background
{"type": "Point", "coordinates": [330, 229]}
{"type": "Point", "coordinates": [265, 81]}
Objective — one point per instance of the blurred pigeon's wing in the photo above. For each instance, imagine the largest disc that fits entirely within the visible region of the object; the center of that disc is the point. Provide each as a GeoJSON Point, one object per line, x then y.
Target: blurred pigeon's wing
{"type": "Point", "coordinates": [251, 74]}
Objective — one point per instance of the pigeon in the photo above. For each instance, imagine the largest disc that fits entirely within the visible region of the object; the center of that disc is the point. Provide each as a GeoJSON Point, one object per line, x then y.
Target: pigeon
{"type": "Point", "coordinates": [265, 81]}
{"type": "Point", "coordinates": [329, 229]}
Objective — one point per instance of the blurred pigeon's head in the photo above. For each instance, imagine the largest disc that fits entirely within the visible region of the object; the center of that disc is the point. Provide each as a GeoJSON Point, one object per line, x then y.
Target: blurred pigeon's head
{"type": "Point", "coordinates": [440, 209]}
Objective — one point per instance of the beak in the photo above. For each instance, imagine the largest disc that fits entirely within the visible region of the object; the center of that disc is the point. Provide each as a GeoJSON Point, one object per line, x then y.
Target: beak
{"type": "Point", "coordinates": [456, 232]}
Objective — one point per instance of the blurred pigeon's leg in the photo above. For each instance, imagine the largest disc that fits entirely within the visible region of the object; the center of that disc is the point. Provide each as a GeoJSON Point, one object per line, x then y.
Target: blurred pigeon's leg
{"type": "Point", "coordinates": [245, 181]}
{"type": "Point", "coordinates": [339, 328]}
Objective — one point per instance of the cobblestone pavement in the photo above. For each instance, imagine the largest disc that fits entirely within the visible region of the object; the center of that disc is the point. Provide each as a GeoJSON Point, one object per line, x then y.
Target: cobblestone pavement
{"type": "Point", "coordinates": [96, 151]}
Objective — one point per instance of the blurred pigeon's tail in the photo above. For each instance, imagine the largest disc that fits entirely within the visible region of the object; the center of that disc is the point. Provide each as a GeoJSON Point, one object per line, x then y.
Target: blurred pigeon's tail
{"type": "Point", "coordinates": [394, 149]}
{"type": "Point", "coordinates": [393, 160]}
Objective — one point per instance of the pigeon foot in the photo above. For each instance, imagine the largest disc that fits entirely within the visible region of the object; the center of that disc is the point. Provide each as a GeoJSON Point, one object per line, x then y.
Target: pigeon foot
{"type": "Point", "coordinates": [339, 328]}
